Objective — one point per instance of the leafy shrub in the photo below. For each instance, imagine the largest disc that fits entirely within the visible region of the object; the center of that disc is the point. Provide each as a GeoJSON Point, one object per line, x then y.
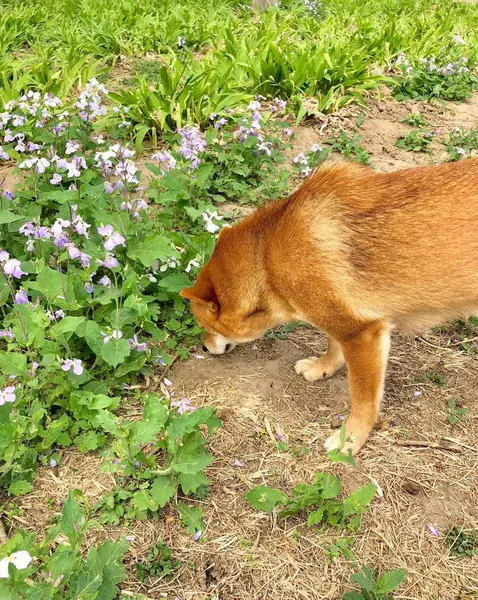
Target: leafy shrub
{"type": "Point", "coordinates": [417, 140]}
{"type": "Point", "coordinates": [318, 500]}
{"type": "Point", "coordinates": [372, 589]}
{"type": "Point", "coordinates": [462, 542]}
{"type": "Point", "coordinates": [93, 258]}
{"type": "Point", "coordinates": [55, 570]}
{"type": "Point", "coordinates": [449, 76]}
{"type": "Point", "coordinates": [159, 563]}
{"type": "Point", "coordinates": [461, 143]}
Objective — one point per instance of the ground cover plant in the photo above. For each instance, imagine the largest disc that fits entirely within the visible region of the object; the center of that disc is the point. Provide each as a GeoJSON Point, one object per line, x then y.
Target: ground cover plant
{"type": "Point", "coordinates": [130, 133]}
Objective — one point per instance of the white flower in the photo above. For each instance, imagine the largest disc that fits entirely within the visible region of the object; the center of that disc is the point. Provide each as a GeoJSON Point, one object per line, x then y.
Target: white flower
{"type": "Point", "coordinates": [20, 559]}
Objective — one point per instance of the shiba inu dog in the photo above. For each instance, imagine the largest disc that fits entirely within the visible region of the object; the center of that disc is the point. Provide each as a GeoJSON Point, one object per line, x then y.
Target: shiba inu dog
{"type": "Point", "coordinates": [355, 253]}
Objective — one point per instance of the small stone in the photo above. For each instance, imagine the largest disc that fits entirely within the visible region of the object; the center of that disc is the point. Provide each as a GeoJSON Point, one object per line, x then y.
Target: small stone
{"type": "Point", "coordinates": [336, 422]}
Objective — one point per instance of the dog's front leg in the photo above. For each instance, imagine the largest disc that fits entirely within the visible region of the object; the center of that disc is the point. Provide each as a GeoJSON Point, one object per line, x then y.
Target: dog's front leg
{"type": "Point", "coordinates": [315, 368]}
{"type": "Point", "coordinates": [366, 357]}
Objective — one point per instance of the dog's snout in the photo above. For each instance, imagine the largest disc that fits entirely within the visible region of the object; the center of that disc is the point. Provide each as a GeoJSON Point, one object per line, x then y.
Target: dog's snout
{"type": "Point", "coordinates": [204, 348]}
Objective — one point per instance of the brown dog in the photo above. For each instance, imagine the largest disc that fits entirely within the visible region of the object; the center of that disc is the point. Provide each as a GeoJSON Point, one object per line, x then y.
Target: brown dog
{"type": "Point", "coordinates": [355, 253]}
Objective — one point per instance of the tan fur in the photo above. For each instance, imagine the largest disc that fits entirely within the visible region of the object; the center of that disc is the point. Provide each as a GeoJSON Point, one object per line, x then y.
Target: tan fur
{"type": "Point", "coordinates": [354, 253]}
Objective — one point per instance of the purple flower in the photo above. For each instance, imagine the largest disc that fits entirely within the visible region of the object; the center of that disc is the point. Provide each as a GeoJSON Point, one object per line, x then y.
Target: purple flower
{"type": "Point", "coordinates": [56, 179]}
{"type": "Point", "coordinates": [35, 366]}
{"type": "Point", "coordinates": [192, 142]}
{"type": "Point", "coordinates": [12, 267]}
{"type": "Point", "coordinates": [53, 463]}
{"type": "Point", "coordinates": [3, 154]}
{"type": "Point", "coordinates": [4, 256]}
{"type": "Point", "coordinates": [134, 344]}
{"type": "Point", "coordinates": [105, 280]}
{"type": "Point", "coordinates": [417, 393]}
{"type": "Point", "coordinates": [59, 314]}
{"type": "Point", "coordinates": [167, 161]}
{"type": "Point", "coordinates": [85, 260]}
{"type": "Point", "coordinates": [71, 147]}
{"type": "Point", "coordinates": [433, 531]}
{"type": "Point", "coordinates": [183, 405]}
{"type": "Point", "coordinates": [73, 364]}
{"type": "Point", "coordinates": [112, 238]}
{"type": "Point", "coordinates": [130, 538]}
{"type": "Point", "coordinates": [110, 261]}
{"type": "Point", "coordinates": [21, 297]}
{"type": "Point", "coordinates": [73, 251]}
{"type": "Point", "coordinates": [220, 122]}
{"type": "Point", "coordinates": [89, 288]}
{"type": "Point", "coordinates": [238, 463]}
{"type": "Point", "coordinates": [197, 536]}
{"type": "Point", "coordinates": [316, 148]}
{"type": "Point", "coordinates": [7, 334]}
{"type": "Point", "coordinates": [167, 382]}
{"type": "Point", "coordinates": [7, 195]}
{"type": "Point", "coordinates": [7, 395]}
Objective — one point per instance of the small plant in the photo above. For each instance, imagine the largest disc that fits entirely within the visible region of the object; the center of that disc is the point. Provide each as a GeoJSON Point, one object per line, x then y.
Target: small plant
{"type": "Point", "coordinates": [375, 589]}
{"type": "Point", "coordinates": [349, 146]}
{"type": "Point", "coordinates": [415, 120]}
{"type": "Point", "coordinates": [417, 140]}
{"type": "Point", "coordinates": [318, 500]}
{"type": "Point", "coordinates": [170, 436]}
{"type": "Point", "coordinates": [456, 413]}
{"type": "Point", "coordinates": [56, 570]}
{"type": "Point", "coordinates": [341, 548]}
{"type": "Point", "coordinates": [159, 563]}
{"type": "Point", "coordinates": [462, 542]}
{"type": "Point", "coordinates": [433, 377]}
{"type": "Point", "coordinates": [448, 76]}
{"type": "Point", "coordinates": [461, 143]}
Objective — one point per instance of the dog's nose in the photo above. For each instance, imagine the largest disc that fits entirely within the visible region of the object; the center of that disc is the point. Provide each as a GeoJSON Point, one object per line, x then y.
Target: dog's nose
{"type": "Point", "coordinates": [204, 349]}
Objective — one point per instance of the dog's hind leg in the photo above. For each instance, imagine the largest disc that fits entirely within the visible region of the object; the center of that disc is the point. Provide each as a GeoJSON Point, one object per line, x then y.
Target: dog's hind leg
{"type": "Point", "coordinates": [366, 357]}
{"type": "Point", "coordinates": [314, 368]}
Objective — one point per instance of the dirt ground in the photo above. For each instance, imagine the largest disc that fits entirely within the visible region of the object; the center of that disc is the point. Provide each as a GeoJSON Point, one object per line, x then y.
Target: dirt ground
{"type": "Point", "coordinates": [247, 555]}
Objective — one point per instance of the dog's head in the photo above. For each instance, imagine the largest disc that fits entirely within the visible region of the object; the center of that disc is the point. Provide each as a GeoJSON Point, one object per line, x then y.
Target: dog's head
{"type": "Point", "coordinates": [230, 298]}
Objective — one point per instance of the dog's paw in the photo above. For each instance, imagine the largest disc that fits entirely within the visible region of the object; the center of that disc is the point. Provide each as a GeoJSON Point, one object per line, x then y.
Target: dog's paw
{"type": "Point", "coordinates": [314, 368]}
{"type": "Point", "coordinates": [353, 441]}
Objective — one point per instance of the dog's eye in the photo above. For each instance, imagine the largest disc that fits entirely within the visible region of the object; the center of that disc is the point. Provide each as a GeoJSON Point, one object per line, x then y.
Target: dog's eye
{"type": "Point", "coordinates": [253, 313]}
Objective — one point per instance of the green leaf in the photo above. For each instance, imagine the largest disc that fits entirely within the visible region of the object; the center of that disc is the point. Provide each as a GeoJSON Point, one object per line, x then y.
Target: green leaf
{"type": "Point", "coordinates": [107, 421]}
{"type": "Point", "coordinates": [8, 217]}
{"type": "Point", "coordinates": [144, 501]}
{"type": "Point", "coordinates": [389, 581]}
{"type": "Point", "coordinates": [175, 282]}
{"type": "Point", "coordinates": [352, 596]}
{"type": "Point", "coordinates": [88, 441]}
{"type": "Point", "coordinates": [163, 489]}
{"type": "Point", "coordinates": [190, 483]}
{"type": "Point", "coordinates": [155, 415]}
{"type": "Point", "coordinates": [332, 486]}
{"type": "Point", "coordinates": [66, 325]}
{"type": "Point", "coordinates": [265, 498]}
{"type": "Point", "coordinates": [135, 363]}
{"type": "Point", "coordinates": [115, 351]}
{"type": "Point", "coordinates": [18, 488]}
{"type": "Point", "coordinates": [93, 336]}
{"type": "Point", "coordinates": [191, 456]}
{"type": "Point", "coordinates": [316, 516]}
{"type": "Point", "coordinates": [358, 500]}
{"type": "Point", "coordinates": [153, 247]}
{"type": "Point", "coordinates": [72, 520]}
{"type": "Point", "coordinates": [190, 421]}
{"type": "Point", "coordinates": [337, 456]}
{"type": "Point", "coordinates": [192, 517]}
{"type": "Point", "coordinates": [55, 286]}
{"type": "Point", "coordinates": [13, 363]}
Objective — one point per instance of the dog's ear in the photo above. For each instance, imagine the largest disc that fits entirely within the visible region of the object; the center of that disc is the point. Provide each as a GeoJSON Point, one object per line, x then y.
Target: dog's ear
{"type": "Point", "coordinates": [203, 294]}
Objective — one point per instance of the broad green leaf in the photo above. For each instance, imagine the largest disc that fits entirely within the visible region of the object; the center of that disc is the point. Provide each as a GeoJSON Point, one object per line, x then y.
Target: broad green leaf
{"type": "Point", "coordinates": [265, 498]}
{"type": "Point", "coordinates": [192, 517]}
{"type": "Point", "coordinates": [389, 581]}
{"type": "Point", "coordinates": [7, 216]}
{"type": "Point", "coordinates": [337, 456]}
{"type": "Point", "coordinates": [53, 432]}
{"type": "Point", "coordinates": [191, 457]}
{"type": "Point", "coordinates": [316, 516]}
{"type": "Point", "coordinates": [107, 421]}
{"type": "Point", "coordinates": [163, 489]}
{"type": "Point", "coordinates": [72, 519]}
{"type": "Point", "coordinates": [134, 363]}
{"type": "Point", "coordinates": [364, 579]}
{"type": "Point", "coordinates": [155, 415]}
{"type": "Point", "coordinates": [66, 325]}
{"type": "Point", "coordinates": [55, 286]}
{"type": "Point", "coordinates": [358, 500]}
{"type": "Point", "coordinates": [190, 421]}
{"type": "Point", "coordinates": [88, 441]}
{"type": "Point", "coordinates": [332, 486]}
{"type": "Point", "coordinates": [18, 488]}
{"type": "Point", "coordinates": [93, 336]}
{"type": "Point", "coordinates": [13, 363]}
{"type": "Point", "coordinates": [175, 282]}
{"type": "Point", "coordinates": [144, 501]}
{"type": "Point", "coordinates": [190, 483]}
{"type": "Point", "coordinates": [114, 352]}
{"type": "Point", "coordinates": [153, 247]}
{"type": "Point", "coordinates": [352, 596]}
